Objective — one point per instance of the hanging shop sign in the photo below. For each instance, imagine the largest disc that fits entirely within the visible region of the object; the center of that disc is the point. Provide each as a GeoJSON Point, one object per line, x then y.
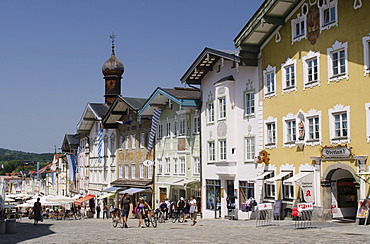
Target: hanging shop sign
{"type": "Point", "coordinates": [340, 151]}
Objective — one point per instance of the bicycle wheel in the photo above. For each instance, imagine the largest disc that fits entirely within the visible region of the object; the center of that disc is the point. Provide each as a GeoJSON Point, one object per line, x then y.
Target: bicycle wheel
{"type": "Point", "coordinates": [147, 221]}
{"type": "Point", "coordinates": [153, 219]}
{"type": "Point", "coordinates": [174, 217]}
{"type": "Point", "coordinates": [114, 222]}
{"type": "Point", "coordinates": [161, 218]}
{"type": "Point", "coordinates": [180, 217]}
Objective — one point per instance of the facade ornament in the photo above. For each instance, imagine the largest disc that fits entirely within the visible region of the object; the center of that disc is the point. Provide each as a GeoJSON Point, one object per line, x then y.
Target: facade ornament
{"type": "Point", "coordinates": [277, 37]}
{"type": "Point", "coordinates": [357, 4]}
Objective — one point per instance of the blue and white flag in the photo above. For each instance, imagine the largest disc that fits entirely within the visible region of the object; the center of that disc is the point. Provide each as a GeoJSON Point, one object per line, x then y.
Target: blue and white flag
{"type": "Point", "coordinates": [78, 159]}
{"type": "Point", "coordinates": [155, 121]}
{"type": "Point", "coordinates": [71, 166]}
{"type": "Point", "coordinates": [100, 144]}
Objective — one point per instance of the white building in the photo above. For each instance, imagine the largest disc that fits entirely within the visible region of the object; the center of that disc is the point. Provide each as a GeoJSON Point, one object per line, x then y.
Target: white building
{"type": "Point", "coordinates": [231, 129]}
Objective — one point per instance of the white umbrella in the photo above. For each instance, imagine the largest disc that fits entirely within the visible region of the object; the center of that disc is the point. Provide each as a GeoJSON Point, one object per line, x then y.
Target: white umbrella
{"type": "Point", "coordinates": [63, 199]}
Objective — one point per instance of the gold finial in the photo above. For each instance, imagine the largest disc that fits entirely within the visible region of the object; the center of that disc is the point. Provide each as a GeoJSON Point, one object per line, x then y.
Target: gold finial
{"type": "Point", "coordinates": [112, 37]}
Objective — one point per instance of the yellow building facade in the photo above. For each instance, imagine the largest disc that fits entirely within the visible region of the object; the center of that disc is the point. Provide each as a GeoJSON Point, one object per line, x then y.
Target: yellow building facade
{"type": "Point", "coordinates": [313, 58]}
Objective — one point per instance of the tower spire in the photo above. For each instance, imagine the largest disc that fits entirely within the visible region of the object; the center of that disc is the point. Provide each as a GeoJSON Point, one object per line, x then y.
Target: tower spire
{"type": "Point", "coordinates": [113, 37]}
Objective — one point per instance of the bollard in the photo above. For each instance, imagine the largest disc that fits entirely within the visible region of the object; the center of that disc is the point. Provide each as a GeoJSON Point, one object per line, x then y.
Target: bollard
{"type": "Point", "coordinates": [10, 226]}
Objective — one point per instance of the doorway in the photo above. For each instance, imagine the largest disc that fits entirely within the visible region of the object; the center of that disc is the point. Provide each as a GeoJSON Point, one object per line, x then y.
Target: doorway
{"type": "Point", "coordinates": [230, 199]}
{"type": "Point", "coordinates": [162, 194]}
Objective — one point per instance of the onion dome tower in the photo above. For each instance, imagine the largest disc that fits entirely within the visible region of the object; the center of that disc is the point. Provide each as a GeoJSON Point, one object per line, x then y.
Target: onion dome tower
{"type": "Point", "coordinates": [112, 70]}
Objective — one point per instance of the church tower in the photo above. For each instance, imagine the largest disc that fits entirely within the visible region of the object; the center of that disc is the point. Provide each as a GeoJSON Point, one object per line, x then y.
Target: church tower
{"type": "Point", "coordinates": [112, 70]}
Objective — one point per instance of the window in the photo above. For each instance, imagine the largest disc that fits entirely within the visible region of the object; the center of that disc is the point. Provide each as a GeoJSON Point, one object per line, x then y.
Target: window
{"type": "Point", "coordinates": [210, 112]}
{"type": "Point", "coordinates": [196, 166]}
{"type": "Point", "coordinates": [126, 171]}
{"type": "Point", "coordinates": [175, 128]}
{"type": "Point", "coordinates": [288, 190]}
{"type": "Point", "coordinates": [196, 125]}
{"type": "Point", "coordinates": [222, 108]}
{"type": "Point", "coordinates": [337, 61]}
{"type": "Point", "coordinates": [120, 171]}
{"type": "Point", "coordinates": [246, 191]}
{"type": "Point", "coordinates": [142, 140]}
{"type": "Point", "coordinates": [126, 142]}
{"type": "Point", "coordinates": [271, 133]}
{"type": "Point", "coordinates": [311, 69]}
{"type": "Point", "coordinates": [182, 166]}
{"type": "Point", "coordinates": [339, 124]}
{"type": "Point", "coordinates": [113, 144]}
{"type": "Point", "coordinates": [299, 25]}
{"type": "Point", "coordinates": [150, 172]}
{"type": "Point", "coordinates": [222, 146]}
{"type": "Point", "coordinates": [249, 149]}
{"type": "Point", "coordinates": [270, 190]}
{"type": "Point", "coordinates": [133, 171]}
{"type": "Point", "coordinates": [182, 128]}
{"type": "Point", "coordinates": [168, 166]}
{"type": "Point", "coordinates": [160, 131]}
{"type": "Point", "coordinates": [168, 129]}
{"type": "Point", "coordinates": [269, 81]}
{"type": "Point", "coordinates": [213, 194]}
{"type": "Point", "coordinates": [288, 72]}
{"type": "Point", "coordinates": [248, 103]}
{"type": "Point", "coordinates": [120, 141]}
{"type": "Point", "coordinates": [366, 47]}
{"type": "Point", "coordinates": [141, 171]}
{"type": "Point", "coordinates": [133, 141]}
{"type": "Point", "coordinates": [313, 128]}
{"type": "Point", "coordinates": [175, 166]}
{"type": "Point", "coordinates": [211, 151]}
{"type": "Point", "coordinates": [159, 166]}
{"type": "Point", "coordinates": [291, 131]}
{"type": "Point", "coordinates": [328, 14]}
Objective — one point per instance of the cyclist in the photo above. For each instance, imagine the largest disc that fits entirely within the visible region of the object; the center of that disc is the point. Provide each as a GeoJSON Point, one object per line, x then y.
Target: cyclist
{"type": "Point", "coordinates": [181, 204]}
{"type": "Point", "coordinates": [142, 210]}
{"type": "Point", "coordinates": [124, 206]}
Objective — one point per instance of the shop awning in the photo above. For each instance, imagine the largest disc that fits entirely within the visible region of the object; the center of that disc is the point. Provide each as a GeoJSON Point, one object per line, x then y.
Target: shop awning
{"type": "Point", "coordinates": [132, 191]}
{"type": "Point", "coordinates": [278, 177]}
{"type": "Point", "coordinates": [261, 177]}
{"type": "Point", "coordinates": [298, 177]}
{"type": "Point", "coordinates": [112, 189]}
{"type": "Point", "coordinates": [106, 195]}
{"type": "Point", "coordinates": [85, 198]}
{"type": "Point", "coordinates": [189, 181]}
{"type": "Point", "coordinates": [171, 181]}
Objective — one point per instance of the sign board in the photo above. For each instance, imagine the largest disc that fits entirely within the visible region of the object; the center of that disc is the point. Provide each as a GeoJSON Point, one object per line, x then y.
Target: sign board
{"type": "Point", "coordinates": [148, 163]}
{"type": "Point", "coordinates": [305, 206]}
{"type": "Point", "coordinates": [336, 152]}
{"type": "Point", "coordinates": [265, 206]}
{"type": "Point", "coordinates": [277, 208]}
{"type": "Point", "coordinates": [363, 208]}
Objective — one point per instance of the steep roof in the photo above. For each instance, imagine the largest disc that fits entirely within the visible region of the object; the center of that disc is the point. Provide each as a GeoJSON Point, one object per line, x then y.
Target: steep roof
{"type": "Point", "coordinates": [93, 112]}
{"type": "Point", "coordinates": [135, 103]}
{"type": "Point", "coordinates": [184, 93]}
{"type": "Point", "coordinates": [100, 109]}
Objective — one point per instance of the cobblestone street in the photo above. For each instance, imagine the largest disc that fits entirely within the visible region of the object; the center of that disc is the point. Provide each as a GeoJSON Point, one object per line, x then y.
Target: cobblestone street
{"type": "Point", "coordinates": [206, 231]}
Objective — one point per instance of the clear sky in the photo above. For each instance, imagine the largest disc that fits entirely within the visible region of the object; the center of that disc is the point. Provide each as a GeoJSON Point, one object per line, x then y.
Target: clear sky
{"type": "Point", "coordinates": [51, 55]}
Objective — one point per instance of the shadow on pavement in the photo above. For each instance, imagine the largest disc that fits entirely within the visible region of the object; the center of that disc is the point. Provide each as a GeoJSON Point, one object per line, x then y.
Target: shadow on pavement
{"type": "Point", "coordinates": [27, 232]}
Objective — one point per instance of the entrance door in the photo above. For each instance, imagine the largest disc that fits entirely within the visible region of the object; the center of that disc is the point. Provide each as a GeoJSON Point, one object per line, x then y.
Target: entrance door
{"type": "Point", "coordinates": [344, 194]}
{"type": "Point", "coordinates": [230, 199]}
{"type": "Point", "coordinates": [162, 194]}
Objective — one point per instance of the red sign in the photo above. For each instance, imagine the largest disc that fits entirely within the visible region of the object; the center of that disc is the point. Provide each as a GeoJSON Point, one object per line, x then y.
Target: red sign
{"type": "Point", "coordinates": [305, 206]}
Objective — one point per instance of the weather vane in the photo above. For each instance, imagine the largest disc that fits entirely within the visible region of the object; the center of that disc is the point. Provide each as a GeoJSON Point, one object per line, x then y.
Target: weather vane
{"type": "Point", "coordinates": [112, 37]}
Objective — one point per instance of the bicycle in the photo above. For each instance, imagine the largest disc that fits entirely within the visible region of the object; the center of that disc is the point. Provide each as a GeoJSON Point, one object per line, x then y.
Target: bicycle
{"type": "Point", "coordinates": [177, 216]}
{"type": "Point", "coordinates": [116, 218]}
{"type": "Point", "coordinates": [150, 219]}
{"type": "Point", "coordinates": [159, 214]}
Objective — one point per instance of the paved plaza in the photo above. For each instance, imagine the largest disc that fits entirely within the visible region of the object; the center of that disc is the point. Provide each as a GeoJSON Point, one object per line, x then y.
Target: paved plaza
{"type": "Point", "coordinates": [206, 231]}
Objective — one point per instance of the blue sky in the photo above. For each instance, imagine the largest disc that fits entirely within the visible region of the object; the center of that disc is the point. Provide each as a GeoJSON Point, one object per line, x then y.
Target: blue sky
{"type": "Point", "coordinates": [51, 55]}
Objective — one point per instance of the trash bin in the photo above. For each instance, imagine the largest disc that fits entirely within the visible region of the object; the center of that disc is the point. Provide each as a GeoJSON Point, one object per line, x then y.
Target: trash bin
{"type": "Point", "coordinates": [10, 226]}
{"type": "Point", "coordinates": [2, 227]}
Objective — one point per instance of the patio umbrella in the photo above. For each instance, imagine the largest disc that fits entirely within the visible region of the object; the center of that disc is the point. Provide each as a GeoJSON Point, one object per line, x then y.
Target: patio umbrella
{"type": "Point", "coordinates": [63, 199]}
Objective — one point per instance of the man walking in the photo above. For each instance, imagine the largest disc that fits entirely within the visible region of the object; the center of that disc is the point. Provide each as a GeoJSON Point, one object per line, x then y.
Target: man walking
{"type": "Point", "coordinates": [124, 206]}
{"type": "Point", "coordinates": [98, 209]}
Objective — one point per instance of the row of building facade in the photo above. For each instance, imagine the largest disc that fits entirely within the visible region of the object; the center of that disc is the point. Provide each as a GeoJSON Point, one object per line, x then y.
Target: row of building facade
{"type": "Point", "coordinates": [285, 116]}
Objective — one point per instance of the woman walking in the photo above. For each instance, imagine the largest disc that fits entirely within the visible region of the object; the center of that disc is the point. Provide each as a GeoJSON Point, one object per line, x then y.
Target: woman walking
{"type": "Point", "coordinates": [193, 210]}
{"type": "Point", "coordinates": [37, 212]}
{"type": "Point", "coordinates": [142, 209]}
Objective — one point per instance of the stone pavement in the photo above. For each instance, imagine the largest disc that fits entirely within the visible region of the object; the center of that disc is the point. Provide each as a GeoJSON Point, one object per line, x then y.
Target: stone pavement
{"type": "Point", "coordinates": [206, 231]}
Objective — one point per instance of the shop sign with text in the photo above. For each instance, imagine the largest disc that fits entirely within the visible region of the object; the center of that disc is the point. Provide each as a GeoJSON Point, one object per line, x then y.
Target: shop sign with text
{"type": "Point", "coordinates": [336, 152]}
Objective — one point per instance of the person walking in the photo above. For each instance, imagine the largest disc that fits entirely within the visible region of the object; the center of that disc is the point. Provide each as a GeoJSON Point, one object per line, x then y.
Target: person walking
{"type": "Point", "coordinates": [98, 209]}
{"type": "Point", "coordinates": [105, 210]}
{"type": "Point", "coordinates": [37, 211]}
{"type": "Point", "coordinates": [124, 206]}
{"type": "Point", "coordinates": [181, 208]}
{"type": "Point", "coordinates": [193, 210]}
{"type": "Point", "coordinates": [142, 209]}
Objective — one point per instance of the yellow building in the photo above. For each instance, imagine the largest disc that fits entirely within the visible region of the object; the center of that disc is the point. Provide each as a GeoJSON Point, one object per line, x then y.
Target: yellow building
{"type": "Point", "coordinates": [314, 59]}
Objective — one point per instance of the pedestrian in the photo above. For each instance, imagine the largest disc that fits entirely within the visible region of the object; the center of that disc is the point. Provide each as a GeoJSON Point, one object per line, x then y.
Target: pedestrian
{"type": "Point", "coordinates": [181, 204]}
{"type": "Point", "coordinates": [37, 211]}
{"type": "Point", "coordinates": [142, 208]}
{"type": "Point", "coordinates": [124, 206]}
{"type": "Point", "coordinates": [105, 210]}
{"type": "Point", "coordinates": [111, 210]}
{"type": "Point", "coordinates": [168, 202]}
{"type": "Point", "coordinates": [98, 211]}
{"type": "Point", "coordinates": [193, 210]}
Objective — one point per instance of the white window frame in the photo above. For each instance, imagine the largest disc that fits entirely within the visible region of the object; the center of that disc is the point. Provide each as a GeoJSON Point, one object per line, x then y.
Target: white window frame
{"type": "Point", "coordinates": [311, 115]}
{"type": "Point", "coordinates": [133, 171]}
{"type": "Point", "coordinates": [150, 172]}
{"type": "Point", "coordinates": [175, 128]}
{"type": "Point", "coordinates": [266, 74]}
{"type": "Point", "coordinates": [120, 171]}
{"type": "Point", "coordinates": [272, 193]}
{"type": "Point", "coordinates": [113, 144]}
{"type": "Point", "coordinates": [222, 149]}
{"type": "Point", "coordinates": [120, 141]}
{"type": "Point", "coordinates": [222, 108]}
{"type": "Point", "coordinates": [289, 63]}
{"type": "Point", "coordinates": [211, 151]}
{"type": "Point", "coordinates": [142, 140]}
{"type": "Point", "coordinates": [367, 111]}
{"type": "Point", "coordinates": [301, 18]}
{"type": "Point", "coordinates": [126, 171]}
{"type": "Point", "coordinates": [196, 125]}
{"type": "Point", "coordinates": [270, 144]}
{"type": "Point", "coordinates": [288, 139]}
{"type": "Point", "coordinates": [328, 4]}
{"type": "Point", "coordinates": [160, 166]}
{"type": "Point", "coordinates": [133, 141]}
{"type": "Point", "coordinates": [249, 103]}
{"type": "Point", "coordinates": [182, 127]}
{"type": "Point", "coordinates": [126, 142]}
{"type": "Point", "coordinates": [366, 47]}
{"type": "Point", "coordinates": [311, 55]}
{"type": "Point", "coordinates": [210, 112]}
{"type": "Point", "coordinates": [141, 171]}
{"type": "Point", "coordinates": [182, 165]}
{"type": "Point", "coordinates": [249, 148]}
{"type": "Point", "coordinates": [339, 108]}
{"type": "Point", "coordinates": [196, 165]}
{"type": "Point", "coordinates": [160, 131]}
{"type": "Point", "coordinates": [168, 166]}
{"type": "Point", "coordinates": [175, 166]}
{"type": "Point", "coordinates": [168, 129]}
{"type": "Point", "coordinates": [337, 47]}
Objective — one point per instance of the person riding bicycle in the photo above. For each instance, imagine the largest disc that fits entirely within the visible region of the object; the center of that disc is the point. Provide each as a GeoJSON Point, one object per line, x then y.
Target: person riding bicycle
{"type": "Point", "coordinates": [124, 206]}
{"type": "Point", "coordinates": [181, 204]}
{"type": "Point", "coordinates": [142, 210]}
